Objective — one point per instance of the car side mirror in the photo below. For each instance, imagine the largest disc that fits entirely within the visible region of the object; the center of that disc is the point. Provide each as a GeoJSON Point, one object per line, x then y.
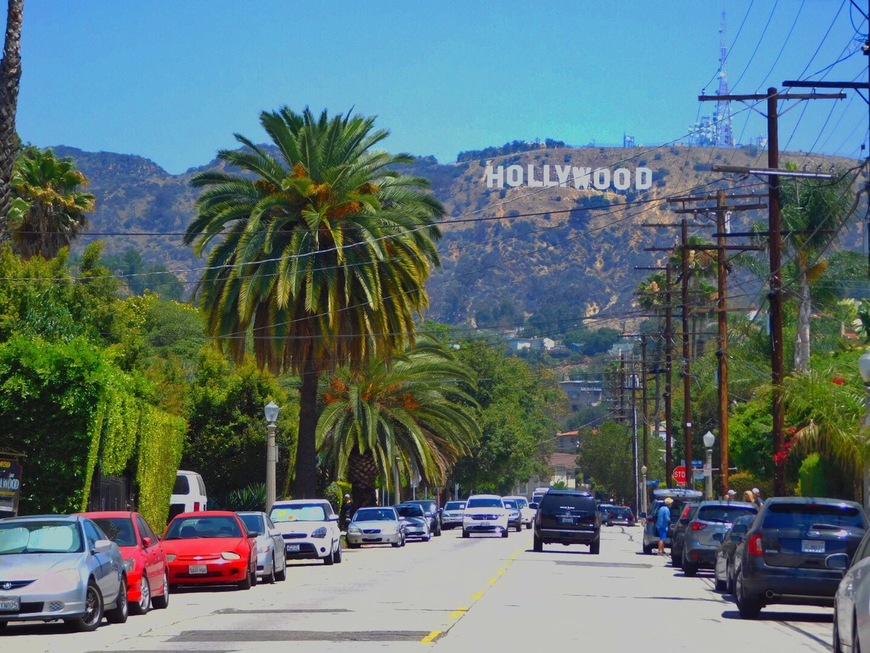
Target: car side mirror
{"type": "Point", "coordinates": [146, 542]}
{"type": "Point", "coordinates": [102, 546]}
{"type": "Point", "coordinates": [838, 561]}
{"type": "Point", "coordinates": [332, 517]}
{"type": "Point", "coordinates": [254, 533]}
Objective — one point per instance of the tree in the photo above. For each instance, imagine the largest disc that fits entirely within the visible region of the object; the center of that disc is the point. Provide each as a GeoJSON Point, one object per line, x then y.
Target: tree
{"type": "Point", "coordinates": [606, 459]}
{"type": "Point", "coordinates": [318, 251]}
{"type": "Point", "coordinates": [48, 210]}
{"type": "Point", "coordinates": [413, 411]}
{"type": "Point", "coordinates": [10, 78]}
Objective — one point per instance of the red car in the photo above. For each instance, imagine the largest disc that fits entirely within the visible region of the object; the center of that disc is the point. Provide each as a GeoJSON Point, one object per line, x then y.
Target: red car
{"type": "Point", "coordinates": [211, 547]}
{"type": "Point", "coordinates": [144, 558]}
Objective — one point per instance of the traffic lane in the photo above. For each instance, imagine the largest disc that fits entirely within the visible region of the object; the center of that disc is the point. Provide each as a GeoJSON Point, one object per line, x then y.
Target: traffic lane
{"type": "Point", "coordinates": [622, 600]}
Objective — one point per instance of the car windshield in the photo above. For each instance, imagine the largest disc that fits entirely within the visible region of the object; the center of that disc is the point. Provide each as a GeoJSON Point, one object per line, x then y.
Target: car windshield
{"type": "Point", "coordinates": [725, 514]}
{"type": "Point", "coordinates": [455, 505]}
{"type": "Point", "coordinates": [806, 515]}
{"type": "Point", "coordinates": [40, 537]}
{"type": "Point", "coordinates": [522, 503]}
{"type": "Point", "coordinates": [298, 512]}
{"type": "Point", "coordinates": [410, 510]}
{"type": "Point", "coordinates": [509, 503]}
{"type": "Point", "coordinates": [117, 529]}
{"type": "Point", "coordinates": [374, 514]}
{"type": "Point", "coordinates": [188, 528]}
{"type": "Point", "coordinates": [253, 522]}
{"type": "Point", "coordinates": [427, 505]}
{"type": "Point", "coordinates": [483, 503]}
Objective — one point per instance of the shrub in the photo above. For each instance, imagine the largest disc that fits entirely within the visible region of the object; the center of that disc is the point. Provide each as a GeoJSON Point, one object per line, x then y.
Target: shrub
{"type": "Point", "coordinates": [813, 477]}
{"type": "Point", "coordinates": [743, 481]}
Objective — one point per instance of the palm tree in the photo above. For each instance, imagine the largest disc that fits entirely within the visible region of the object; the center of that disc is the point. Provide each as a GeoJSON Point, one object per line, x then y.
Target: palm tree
{"type": "Point", "coordinates": [413, 411]}
{"type": "Point", "coordinates": [10, 78]}
{"type": "Point", "coordinates": [48, 209]}
{"type": "Point", "coordinates": [318, 252]}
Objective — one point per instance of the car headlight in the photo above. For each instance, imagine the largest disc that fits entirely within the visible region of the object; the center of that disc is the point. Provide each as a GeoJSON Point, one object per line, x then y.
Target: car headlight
{"type": "Point", "coordinates": [230, 555]}
{"type": "Point", "coordinates": [320, 532]}
{"type": "Point", "coordinates": [129, 565]}
{"type": "Point", "coordinates": [170, 557]}
{"type": "Point", "coordinates": [353, 529]}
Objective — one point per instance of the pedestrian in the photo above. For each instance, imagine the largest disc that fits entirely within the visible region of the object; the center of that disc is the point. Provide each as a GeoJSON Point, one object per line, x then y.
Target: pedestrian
{"type": "Point", "coordinates": [347, 510]}
{"type": "Point", "coordinates": [758, 502]}
{"type": "Point", "coordinates": [663, 522]}
{"type": "Point", "coordinates": [749, 496]}
{"type": "Point", "coordinates": [731, 495]}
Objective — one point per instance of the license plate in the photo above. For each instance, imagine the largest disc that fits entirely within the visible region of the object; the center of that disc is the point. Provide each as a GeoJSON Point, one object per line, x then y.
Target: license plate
{"type": "Point", "coordinates": [566, 520]}
{"type": "Point", "coordinates": [292, 548]}
{"type": "Point", "coordinates": [812, 546]}
{"type": "Point", "coordinates": [9, 604]}
{"type": "Point", "coordinates": [197, 569]}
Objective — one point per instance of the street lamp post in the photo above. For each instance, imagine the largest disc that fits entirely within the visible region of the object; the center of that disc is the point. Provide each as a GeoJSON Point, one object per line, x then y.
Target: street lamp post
{"type": "Point", "coordinates": [709, 441]}
{"type": "Point", "coordinates": [271, 411]}
{"type": "Point", "coordinates": [643, 471]}
{"type": "Point", "coordinates": [397, 498]}
{"type": "Point", "coordinates": [864, 368]}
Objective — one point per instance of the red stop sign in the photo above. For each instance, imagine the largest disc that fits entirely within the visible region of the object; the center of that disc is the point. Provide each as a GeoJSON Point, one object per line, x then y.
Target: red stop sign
{"type": "Point", "coordinates": [680, 474]}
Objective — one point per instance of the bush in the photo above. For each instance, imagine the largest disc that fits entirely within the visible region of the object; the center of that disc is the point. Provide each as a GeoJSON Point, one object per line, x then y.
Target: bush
{"type": "Point", "coordinates": [813, 477]}
{"type": "Point", "coordinates": [743, 481]}
{"type": "Point", "coordinates": [335, 493]}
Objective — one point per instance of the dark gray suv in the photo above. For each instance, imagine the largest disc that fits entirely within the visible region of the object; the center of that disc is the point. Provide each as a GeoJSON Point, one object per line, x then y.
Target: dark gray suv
{"type": "Point", "coordinates": [567, 517]}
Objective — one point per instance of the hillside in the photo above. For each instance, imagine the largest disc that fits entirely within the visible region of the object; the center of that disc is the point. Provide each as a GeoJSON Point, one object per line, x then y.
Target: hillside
{"type": "Point", "coordinates": [507, 252]}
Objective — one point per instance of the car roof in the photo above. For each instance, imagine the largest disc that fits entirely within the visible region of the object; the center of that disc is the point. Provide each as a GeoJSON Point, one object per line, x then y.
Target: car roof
{"type": "Point", "coordinates": [570, 493]}
{"type": "Point", "coordinates": [29, 518]}
{"type": "Point", "coordinates": [812, 500]}
{"type": "Point", "coordinates": [110, 514]}
{"type": "Point", "coordinates": [251, 512]}
{"type": "Point", "coordinates": [484, 496]}
{"type": "Point", "coordinates": [299, 502]}
{"type": "Point", "coordinates": [725, 502]}
{"type": "Point", "coordinates": [206, 513]}
{"type": "Point", "coordinates": [677, 493]}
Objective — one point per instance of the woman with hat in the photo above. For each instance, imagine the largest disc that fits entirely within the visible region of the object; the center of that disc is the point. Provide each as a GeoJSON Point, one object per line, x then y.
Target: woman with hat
{"type": "Point", "coordinates": [663, 522]}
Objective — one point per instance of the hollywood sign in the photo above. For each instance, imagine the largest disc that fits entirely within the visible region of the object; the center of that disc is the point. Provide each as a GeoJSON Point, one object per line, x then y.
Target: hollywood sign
{"type": "Point", "coordinates": [566, 176]}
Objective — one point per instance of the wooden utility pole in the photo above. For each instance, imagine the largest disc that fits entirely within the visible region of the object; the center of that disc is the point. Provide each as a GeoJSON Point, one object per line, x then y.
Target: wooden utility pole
{"type": "Point", "coordinates": [685, 367]}
{"type": "Point", "coordinates": [643, 400]}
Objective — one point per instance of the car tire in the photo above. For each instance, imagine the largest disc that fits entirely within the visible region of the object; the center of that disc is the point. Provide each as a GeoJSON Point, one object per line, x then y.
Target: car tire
{"type": "Point", "coordinates": [119, 614]}
{"type": "Point", "coordinates": [676, 560]}
{"type": "Point", "coordinates": [529, 526]}
{"type": "Point", "coordinates": [647, 549]}
{"type": "Point", "coordinates": [245, 583]}
{"type": "Point", "coordinates": [438, 530]}
{"type": "Point", "coordinates": [747, 605]}
{"type": "Point", "coordinates": [856, 641]}
{"type": "Point", "coordinates": [465, 533]}
{"type": "Point", "coordinates": [690, 569]}
{"type": "Point", "coordinates": [353, 545]}
{"type": "Point", "coordinates": [270, 579]}
{"type": "Point", "coordinates": [505, 532]}
{"type": "Point", "coordinates": [94, 611]}
{"type": "Point", "coordinates": [281, 575]}
{"type": "Point", "coordinates": [836, 644]}
{"type": "Point", "coordinates": [3, 624]}
{"type": "Point", "coordinates": [396, 544]}
{"type": "Point", "coordinates": [328, 559]}
{"type": "Point", "coordinates": [720, 585]}
{"type": "Point", "coordinates": [595, 547]}
{"type": "Point", "coordinates": [537, 544]}
{"type": "Point", "coordinates": [144, 603]}
{"type": "Point", "coordinates": [336, 557]}
{"type": "Point", "coordinates": [520, 527]}
{"type": "Point", "coordinates": [162, 602]}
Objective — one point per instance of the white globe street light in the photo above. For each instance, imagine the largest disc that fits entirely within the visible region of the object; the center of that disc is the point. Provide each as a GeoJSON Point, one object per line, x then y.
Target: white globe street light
{"type": "Point", "coordinates": [709, 441]}
{"type": "Point", "coordinates": [270, 410]}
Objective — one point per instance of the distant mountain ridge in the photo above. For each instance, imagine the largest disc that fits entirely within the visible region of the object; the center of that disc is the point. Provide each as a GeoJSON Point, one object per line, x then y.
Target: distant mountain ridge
{"type": "Point", "coordinates": [513, 250]}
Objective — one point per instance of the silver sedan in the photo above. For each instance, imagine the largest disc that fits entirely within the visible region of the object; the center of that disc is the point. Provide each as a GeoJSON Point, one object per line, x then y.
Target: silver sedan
{"type": "Point", "coordinates": [60, 567]}
{"type": "Point", "coordinates": [375, 526]}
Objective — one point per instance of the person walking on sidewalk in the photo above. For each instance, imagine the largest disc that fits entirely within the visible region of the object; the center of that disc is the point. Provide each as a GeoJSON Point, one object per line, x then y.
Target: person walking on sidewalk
{"type": "Point", "coordinates": [663, 522]}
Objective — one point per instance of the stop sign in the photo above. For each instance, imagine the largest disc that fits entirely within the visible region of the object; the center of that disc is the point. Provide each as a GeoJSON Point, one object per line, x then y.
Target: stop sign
{"type": "Point", "coordinates": [680, 474]}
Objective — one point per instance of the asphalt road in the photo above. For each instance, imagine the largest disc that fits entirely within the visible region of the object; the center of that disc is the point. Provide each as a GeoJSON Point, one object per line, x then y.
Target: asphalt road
{"type": "Point", "coordinates": [454, 595]}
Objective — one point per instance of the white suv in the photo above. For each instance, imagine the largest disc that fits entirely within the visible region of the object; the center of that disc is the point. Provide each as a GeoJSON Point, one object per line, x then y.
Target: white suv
{"type": "Point", "coordinates": [484, 513]}
{"type": "Point", "coordinates": [309, 528]}
{"type": "Point", "coordinates": [188, 495]}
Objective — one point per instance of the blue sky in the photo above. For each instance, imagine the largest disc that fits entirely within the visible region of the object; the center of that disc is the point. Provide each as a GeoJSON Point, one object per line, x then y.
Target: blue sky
{"type": "Point", "coordinates": [172, 80]}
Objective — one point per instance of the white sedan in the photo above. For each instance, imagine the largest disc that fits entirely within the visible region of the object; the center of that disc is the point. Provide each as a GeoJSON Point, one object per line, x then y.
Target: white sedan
{"type": "Point", "coordinates": [527, 514]}
{"type": "Point", "coordinates": [485, 513]}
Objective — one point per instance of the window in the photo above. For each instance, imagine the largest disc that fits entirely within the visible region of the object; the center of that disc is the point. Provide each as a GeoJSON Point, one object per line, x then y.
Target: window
{"type": "Point", "coordinates": [804, 515]}
{"type": "Point", "coordinates": [181, 485]}
{"type": "Point", "coordinates": [118, 529]}
{"type": "Point", "coordinates": [299, 512]}
{"type": "Point", "coordinates": [145, 529]}
{"type": "Point", "coordinates": [91, 534]}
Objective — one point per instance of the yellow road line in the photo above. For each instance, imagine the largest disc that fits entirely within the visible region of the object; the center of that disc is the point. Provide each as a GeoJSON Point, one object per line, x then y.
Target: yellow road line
{"type": "Point", "coordinates": [430, 637]}
{"type": "Point", "coordinates": [477, 596]}
{"type": "Point", "coordinates": [458, 612]}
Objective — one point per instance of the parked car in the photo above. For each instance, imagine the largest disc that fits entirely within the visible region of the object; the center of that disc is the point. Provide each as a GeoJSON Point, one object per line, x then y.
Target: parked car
{"type": "Point", "coordinates": [271, 562]}
{"type": "Point", "coordinates": [210, 547]}
{"type": "Point", "coordinates": [604, 512]}
{"type": "Point", "coordinates": [538, 493]}
{"type": "Point", "coordinates": [484, 513]}
{"type": "Point", "coordinates": [706, 531]}
{"type": "Point", "coordinates": [527, 513]}
{"type": "Point", "coordinates": [724, 570]}
{"type": "Point", "coordinates": [188, 494]}
{"type": "Point", "coordinates": [621, 515]}
{"type": "Point", "coordinates": [678, 533]}
{"type": "Point", "coordinates": [451, 517]}
{"type": "Point", "coordinates": [679, 497]}
{"type": "Point", "coordinates": [144, 558]}
{"type": "Point", "coordinates": [433, 514]}
{"type": "Point", "coordinates": [309, 528]}
{"type": "Point", "coordinates": [515, 518]}
{"type": "Point", "coordinates": [375, 526]}
{"type": "Point", "coordinates": [414, 520]}
{"type": "Point", "coordinates": [60, 567]}
{"type": "Point", "coordinates": [852, 600]}
{"type": "Point", "coordinates": [782, 559]}
{"type": "Point", "coordinates": [567, 517]}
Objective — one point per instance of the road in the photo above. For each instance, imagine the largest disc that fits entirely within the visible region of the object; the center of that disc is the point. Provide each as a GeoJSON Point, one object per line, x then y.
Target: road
{"type": "Point", "coordinates": [454, 595]}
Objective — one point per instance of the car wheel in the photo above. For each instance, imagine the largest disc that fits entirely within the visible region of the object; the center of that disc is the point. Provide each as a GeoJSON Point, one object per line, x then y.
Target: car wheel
{"type": "Point", "coordinates": [3, 624]}
{"type": "Point", "coordinates": [720, 585]}
{"type": "Point", "coordinates": [328, 559]}
{"type": "Point", "coordinates": [271, 577]}
{"type": "Point", "coordinates": [437, 530]}
{"type": "Point", "coordinates": [245, 583]}
{"type": "Point", "coordinates": [676, 560]}
{"type": "Point", "coordinates": [505, 532]}
{"type": "Point", "coordinates": [336, 557]}
{"type": "Point", "coordinates": [595, 547]}
{"type": "Point", "coordinates": [465, 533]}
{"type": "Point", "coordinates": [647, 549]}
{"type": "Point", "coordinates": [281, 575]}
{"type": "Point", "coordinates": [396, 544]}
{"type": "Point", "coordinates": [748, 606]}
{"type": "Point", "coordinates": [119, 613]}
{"type": "Point", "coordinates": [353, 545]}
{"type": "Point", "coordinates": [856, 641]}
{"type": "Point", "coordinates": [689, 568]}
{"type": "Point", "coordinates": [836, 645]}
{"type": "Point", "coordinates": [520, 527]}
{"type": "Point", "coordinates": [537, 544]}
{"type": "Point", "coordinates": [93, 610]}
{"type": "Point", "coordinates": [162, 602]}
{"type": "Point", "coordinates": [529, 526]}
{"type": "Point", "coordinates": [144, 603]}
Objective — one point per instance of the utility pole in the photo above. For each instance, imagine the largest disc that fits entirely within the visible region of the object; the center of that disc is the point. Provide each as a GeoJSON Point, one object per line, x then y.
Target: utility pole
{"type": "Point", "coordinates": [774, 235]}
{"type": "Point", "coordinates": [685, 368]}
{"type": "Point", "coordinates": [643, 402]}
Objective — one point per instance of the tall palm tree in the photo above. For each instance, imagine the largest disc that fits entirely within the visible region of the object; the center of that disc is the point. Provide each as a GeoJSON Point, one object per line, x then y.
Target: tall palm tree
{"type": "Point", "coordinates": [318, 251]}
{"type": "Point", "coordinates": [48, 209]}
{"type": "Point", "coordinates": [10, 78]}
{"type": "Point", "coordinates": [413, 411]}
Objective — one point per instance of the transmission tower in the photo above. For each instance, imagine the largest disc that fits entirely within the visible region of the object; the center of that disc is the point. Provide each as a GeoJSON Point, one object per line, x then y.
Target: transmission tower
{"type": "Point", "coordinates": [722, 117]}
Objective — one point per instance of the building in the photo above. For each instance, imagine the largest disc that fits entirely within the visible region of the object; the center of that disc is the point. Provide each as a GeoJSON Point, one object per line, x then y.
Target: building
{"type": "Point", "coordinates": [581, 393]}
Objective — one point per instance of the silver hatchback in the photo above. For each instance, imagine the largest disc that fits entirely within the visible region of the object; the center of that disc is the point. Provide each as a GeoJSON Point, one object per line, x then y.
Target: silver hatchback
{"type": "Point", "coordinates": [706, 531]}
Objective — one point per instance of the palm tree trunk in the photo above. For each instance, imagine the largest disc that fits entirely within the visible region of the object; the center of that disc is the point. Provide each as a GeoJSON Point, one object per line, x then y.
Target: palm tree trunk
{"type": "Point", "coordinates": [363, 474]}
{"type": "Point", "coordinates": [305, 481]}
{"type": "Point", "coordinates": [802, 340]}
{"type": "Point", "coordinates": [10, 78]}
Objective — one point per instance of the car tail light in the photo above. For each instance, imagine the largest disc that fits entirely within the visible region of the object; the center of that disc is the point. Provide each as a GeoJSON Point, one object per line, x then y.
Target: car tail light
{"type": "Point", "coordinates": [698, 526]}
{"type": "Point", "coordinates": [754, 545]}
{"type": "Point", "coordinates": [685, 512]}
{"type": "Point", "coordinates": [649, 520]}
{"type": "Point", "coordinates": [196, 506]}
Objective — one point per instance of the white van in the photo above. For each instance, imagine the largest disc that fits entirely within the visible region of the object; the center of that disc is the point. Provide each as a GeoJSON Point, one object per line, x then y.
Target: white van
{"type": "Point", "coordinates": [188, 495]}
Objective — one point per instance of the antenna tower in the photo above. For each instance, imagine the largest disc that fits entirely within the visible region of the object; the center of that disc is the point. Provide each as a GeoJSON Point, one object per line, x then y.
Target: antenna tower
{"type": "Point", "coordinates": [722, 117]}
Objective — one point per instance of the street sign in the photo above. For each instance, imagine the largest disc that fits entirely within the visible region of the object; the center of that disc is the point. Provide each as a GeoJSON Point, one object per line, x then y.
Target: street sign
{"type": "Point", "coordinates": [680, 474]}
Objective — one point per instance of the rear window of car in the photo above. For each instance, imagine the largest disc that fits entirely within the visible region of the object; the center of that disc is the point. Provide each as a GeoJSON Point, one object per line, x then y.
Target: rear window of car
{"type": "Point", "coordinates": [455, 505]}
{"type": "Point", "coordinates": [804, 515]}
{"type": "Point", "coordinates": [623, 512]}
{"type": "Point", "coordinates": [553, 503]}
{"type": "Point", "coordinates": [252, 522]}
{"type": "Point", "coordinates": [724, 514]}
{"type": "Point", "coordinates": [181, 485]}
{"type": "Point", "coordinates": [410, 510]}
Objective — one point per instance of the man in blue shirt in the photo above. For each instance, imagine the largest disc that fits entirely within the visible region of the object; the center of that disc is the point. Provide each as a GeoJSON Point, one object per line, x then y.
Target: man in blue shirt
{"type": "Point", "coordinates": [663, 521]}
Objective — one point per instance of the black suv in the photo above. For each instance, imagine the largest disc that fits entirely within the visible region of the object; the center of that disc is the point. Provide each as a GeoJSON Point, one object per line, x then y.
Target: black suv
{"type": "Point", "coordinates": [782, 559]}
{"type": "Point", "coordinates": [567, 517]}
